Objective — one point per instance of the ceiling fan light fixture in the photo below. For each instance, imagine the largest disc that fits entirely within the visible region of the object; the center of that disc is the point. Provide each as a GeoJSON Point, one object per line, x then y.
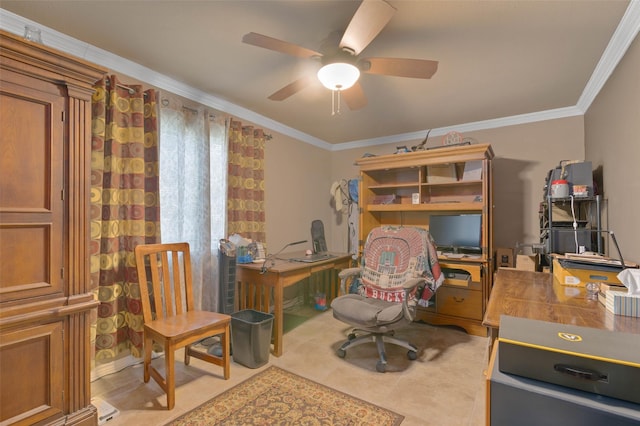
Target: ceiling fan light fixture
{"type": "Point", "coordinates": [338, 75]}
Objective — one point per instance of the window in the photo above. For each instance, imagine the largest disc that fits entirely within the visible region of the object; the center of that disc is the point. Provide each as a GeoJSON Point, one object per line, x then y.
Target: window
{"type": "Point", "coordinates": [193, 165]}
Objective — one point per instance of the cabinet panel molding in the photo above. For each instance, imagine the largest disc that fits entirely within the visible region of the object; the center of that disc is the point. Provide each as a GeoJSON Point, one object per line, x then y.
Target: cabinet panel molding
{"type": "Point", "coordinates": [32, 385]}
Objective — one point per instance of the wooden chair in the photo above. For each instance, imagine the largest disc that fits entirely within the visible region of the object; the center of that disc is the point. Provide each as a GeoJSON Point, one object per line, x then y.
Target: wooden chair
{"type": "Point", "coordinates": [169, 316]}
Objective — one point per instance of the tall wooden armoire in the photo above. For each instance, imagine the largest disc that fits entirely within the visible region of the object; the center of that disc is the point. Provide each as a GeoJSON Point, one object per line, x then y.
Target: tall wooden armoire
{"type": "Point", "coordinates": [46, 298]}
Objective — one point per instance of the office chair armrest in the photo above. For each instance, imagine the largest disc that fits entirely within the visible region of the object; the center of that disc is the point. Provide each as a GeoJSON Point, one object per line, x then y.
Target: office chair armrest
{"type": "Point", "coordinates": [345, 273]}
{"type": "Point", "coordinates": [344, 276]}
{"type": "Point", "coordinates": [412, 283]}
{"type": "Point", "coordinates": [409, 285]}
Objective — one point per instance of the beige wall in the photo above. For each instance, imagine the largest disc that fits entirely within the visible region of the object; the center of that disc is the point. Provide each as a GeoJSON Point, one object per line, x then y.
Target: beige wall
{"type": "Point", "coordinates": [524, 154]}
{"type": "Point", "coordinates": [612, 142]}
{"type": "Point", "coordinates": [297, 191]}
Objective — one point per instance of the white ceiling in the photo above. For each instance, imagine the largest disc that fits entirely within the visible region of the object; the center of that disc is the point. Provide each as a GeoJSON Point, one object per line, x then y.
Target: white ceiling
{"type": "Point", "coordinates": [497, 59]}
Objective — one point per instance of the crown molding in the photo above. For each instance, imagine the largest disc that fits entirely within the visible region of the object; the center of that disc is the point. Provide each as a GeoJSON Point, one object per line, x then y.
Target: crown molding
{"type": "Point", "coordinates": [462, 128]}
{"type": "Point", "coordinates": [617, 47]}
{"type": "Point", "coordinates": [620, 41]}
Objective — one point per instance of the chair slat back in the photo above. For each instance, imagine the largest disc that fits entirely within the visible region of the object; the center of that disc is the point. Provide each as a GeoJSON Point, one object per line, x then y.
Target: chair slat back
{"type": "Point", "coordinates": [168, 291]}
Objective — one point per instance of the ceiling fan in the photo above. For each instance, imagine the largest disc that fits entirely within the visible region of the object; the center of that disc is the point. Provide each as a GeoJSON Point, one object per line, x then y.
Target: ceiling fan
{"type": "Point", "coordinates": [341, 64]}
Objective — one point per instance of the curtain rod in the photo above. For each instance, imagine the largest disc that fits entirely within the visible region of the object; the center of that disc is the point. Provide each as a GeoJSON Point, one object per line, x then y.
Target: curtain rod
{"type": "Point", "coordinates": [127, 88]}
{"type": "Point", "coordinates": [267, 136]}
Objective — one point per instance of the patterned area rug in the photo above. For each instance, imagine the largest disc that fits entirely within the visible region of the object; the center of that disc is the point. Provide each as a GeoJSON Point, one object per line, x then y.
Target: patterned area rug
{"type": "Point", "coordinates": [278, 397]}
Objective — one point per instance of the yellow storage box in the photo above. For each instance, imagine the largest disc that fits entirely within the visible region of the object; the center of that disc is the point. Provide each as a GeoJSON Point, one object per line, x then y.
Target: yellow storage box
{"type": "Point", "coordinates": [570, 273]}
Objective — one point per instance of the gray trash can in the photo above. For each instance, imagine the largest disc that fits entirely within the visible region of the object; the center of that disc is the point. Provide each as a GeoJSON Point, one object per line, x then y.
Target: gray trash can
{"type": "Point", "coordinates": [251, 337]}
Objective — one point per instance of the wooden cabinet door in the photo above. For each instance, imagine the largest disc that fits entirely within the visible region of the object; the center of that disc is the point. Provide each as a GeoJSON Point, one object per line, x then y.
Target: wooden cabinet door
{"type": "Point", "coordinates": [31, 188]}
{"type": "Point", "coordinates": [32, 385]}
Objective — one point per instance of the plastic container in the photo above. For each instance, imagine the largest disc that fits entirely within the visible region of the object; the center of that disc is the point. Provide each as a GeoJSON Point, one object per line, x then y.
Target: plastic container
{"type": "Point", "coordinates": [559, 188]}
{"type": "Point", "coordinates": [320, 302]}
{"type": "Point", "coordinates": [251, 337]}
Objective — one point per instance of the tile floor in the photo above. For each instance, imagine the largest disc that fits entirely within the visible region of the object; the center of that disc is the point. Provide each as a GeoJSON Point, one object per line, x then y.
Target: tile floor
{"type": "Point", "coordinates": [444, 386]}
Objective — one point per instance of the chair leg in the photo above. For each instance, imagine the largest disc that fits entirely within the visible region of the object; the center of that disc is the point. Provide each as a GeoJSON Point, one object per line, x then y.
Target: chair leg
{"type": "Point", "coordinates": [402, 343]}
{"type": "Point", "coordinates": [226, 352]}
{"type": "Point", "coordinates": [187, 357]}
{"type": "Point", "coordinates": [169, 359]}
{"type": "Point", "coordinates": [148, 346]}
{"type": "Point", "coordinates": [381, 351]}
{"type": "Point", "coordinates": [359, 340]}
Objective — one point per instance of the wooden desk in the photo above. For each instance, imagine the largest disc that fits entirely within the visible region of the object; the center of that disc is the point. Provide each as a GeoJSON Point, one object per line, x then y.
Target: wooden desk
{"type": "Point", "coordinates": [535, 295]}
{"type": "Point", "coordinates": [257, 290]}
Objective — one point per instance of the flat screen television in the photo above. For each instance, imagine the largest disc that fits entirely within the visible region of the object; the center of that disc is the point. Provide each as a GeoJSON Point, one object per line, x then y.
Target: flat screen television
{"type": "Point", "coordinates": [457, 233]}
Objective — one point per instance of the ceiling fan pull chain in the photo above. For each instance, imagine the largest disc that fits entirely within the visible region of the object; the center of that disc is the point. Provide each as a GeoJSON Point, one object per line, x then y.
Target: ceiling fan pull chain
{"type": "Point", "coordinates": [335, 102]}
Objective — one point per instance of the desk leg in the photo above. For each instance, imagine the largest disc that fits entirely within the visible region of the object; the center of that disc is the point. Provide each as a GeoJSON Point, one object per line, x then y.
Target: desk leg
{"type": "Point", "coordinates": [493, 336]}
{"type": "Point", "coordinates": [278, 320]}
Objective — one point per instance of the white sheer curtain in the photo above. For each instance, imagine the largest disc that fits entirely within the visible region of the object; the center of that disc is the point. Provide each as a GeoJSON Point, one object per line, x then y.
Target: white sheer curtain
{"type": "Point", "coordinates": [193, 165]}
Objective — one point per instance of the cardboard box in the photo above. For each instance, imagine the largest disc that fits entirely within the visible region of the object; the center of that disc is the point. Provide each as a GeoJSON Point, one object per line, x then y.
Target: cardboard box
{"type": "Point", "coordinates": [442, 173]}
{"type": "Point", "coordinates": [527, 262]}
{"type": "Point", "coordinates": [579, 277]}
{"type": "Point", "coordinates": [589, 359]}
{"type": "Point", "coordinates": [621, 303]}
{"type": "Point", "coordinates": [504, 258]}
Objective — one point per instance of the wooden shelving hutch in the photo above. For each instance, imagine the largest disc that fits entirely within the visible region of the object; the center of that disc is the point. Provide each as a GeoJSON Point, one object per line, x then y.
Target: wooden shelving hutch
{"type": "Point", "coordinates": [387, 189]}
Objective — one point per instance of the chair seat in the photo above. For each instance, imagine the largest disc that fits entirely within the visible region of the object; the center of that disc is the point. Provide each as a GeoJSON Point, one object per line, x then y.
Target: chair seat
{"type": "Point", "coordinates": [188, 322]}
{"type": "Point", "coordinates": [366, 312]}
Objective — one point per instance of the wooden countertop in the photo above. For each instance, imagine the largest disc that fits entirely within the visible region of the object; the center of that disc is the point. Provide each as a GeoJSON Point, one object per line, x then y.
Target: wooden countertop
{"type": "Point", "coordinates": [536, 295]}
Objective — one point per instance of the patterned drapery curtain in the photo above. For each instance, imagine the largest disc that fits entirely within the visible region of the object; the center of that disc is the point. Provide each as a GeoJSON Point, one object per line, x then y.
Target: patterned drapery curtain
{"type": "Point", "coordinates": [124, 209]}
{"type": "Point", "coordinates": [245, 193]}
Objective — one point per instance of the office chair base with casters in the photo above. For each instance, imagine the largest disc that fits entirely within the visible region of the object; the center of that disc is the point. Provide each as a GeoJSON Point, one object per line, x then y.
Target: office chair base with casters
{"type": "Point", "coordinates": [380, 339]}
{"type": "Point", "coordinates": [399, 267]}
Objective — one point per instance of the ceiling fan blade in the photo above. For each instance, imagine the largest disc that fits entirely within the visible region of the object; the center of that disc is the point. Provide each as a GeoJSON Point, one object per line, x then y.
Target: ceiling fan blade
{"type": "Point", "coordinates": [271, 43]}
{"type": "Point", "coordinates": [399, 67]}
{"type": "Point", "coordinates": [291, 89]}
{"type": "Point", "coordinates": [354, 97]}
{"type": "Point", "coordinates": [370, 18]}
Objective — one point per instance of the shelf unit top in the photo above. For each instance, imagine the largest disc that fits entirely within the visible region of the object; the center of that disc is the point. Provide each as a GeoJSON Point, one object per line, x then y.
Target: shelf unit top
{"type": "Point", "coordinates": [454, 154]}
